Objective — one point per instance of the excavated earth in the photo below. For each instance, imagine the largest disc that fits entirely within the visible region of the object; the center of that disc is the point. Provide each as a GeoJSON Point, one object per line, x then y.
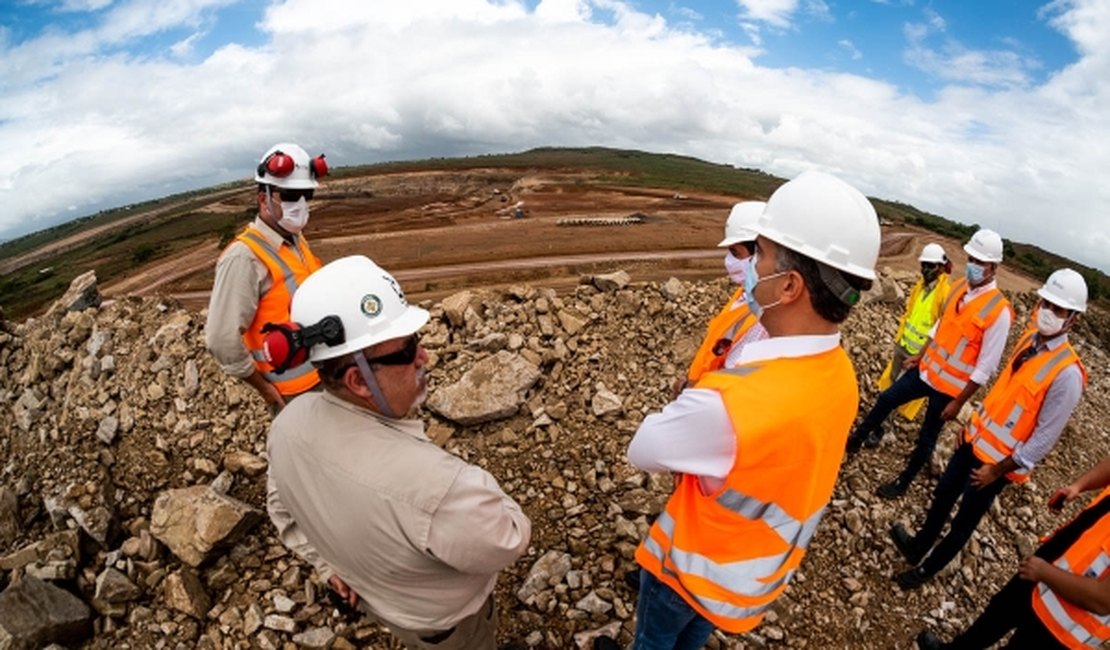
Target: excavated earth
{"type": "Point", "coordinates": [108, 408]}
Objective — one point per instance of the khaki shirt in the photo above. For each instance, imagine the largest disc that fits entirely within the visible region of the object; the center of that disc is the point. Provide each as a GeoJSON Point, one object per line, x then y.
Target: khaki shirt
{"type": "Point", "coordinates": [241, 281]}
{"type": "Point", "coordinates": [419, 533]}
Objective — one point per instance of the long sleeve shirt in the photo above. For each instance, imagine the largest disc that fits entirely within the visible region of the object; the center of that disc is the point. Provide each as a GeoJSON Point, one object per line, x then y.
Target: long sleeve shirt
{"type": "Point", "coordinates": [1059, 402]}
{"type": "Point", "coordinates": [417, 532]}
{"type": "Point", "coordinates": [693, 434]}
{"type": "Point", "coordinates": [994, 339]}
{"type": "Point", "coordinates": [241, 281]}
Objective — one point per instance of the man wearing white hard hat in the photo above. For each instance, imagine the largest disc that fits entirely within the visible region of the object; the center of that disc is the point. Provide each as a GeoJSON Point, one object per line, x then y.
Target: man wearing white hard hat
{"type": "Point", "coordinates": [414, 534]}
{"type": "Point", "coordinates": [964, 349]}
{"type": "Point", "coordinates": [1018, 423]}
{"type": "Point", "coordinates": [258, 273]}
{"type": "Point", "coordinates": [757, 447]}
{"type": "Point", "coordinates": [734, 326]}
{"type": "Point", "coordinates": [922, 311]}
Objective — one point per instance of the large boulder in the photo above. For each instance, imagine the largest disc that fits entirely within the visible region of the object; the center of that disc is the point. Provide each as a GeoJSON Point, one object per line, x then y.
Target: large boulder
{"type": "Point", "coordinates": [194, 522]}
{"type": "Point", "coordinates": [493, 389]}
{"type": "Point", "coordinates": [34, 613]}
{"type": "Point", "coordinates": [82, 294]}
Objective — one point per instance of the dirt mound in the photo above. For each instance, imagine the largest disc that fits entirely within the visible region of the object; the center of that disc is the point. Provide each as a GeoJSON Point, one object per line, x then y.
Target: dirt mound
{"type": "Point", "coordinates": [110, 408]}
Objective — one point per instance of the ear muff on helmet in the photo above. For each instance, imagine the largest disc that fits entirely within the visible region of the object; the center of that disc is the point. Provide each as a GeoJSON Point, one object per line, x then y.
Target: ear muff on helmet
{"type": "Point", "coordinates": [280, 164]}
{"type": "Point", "coordinates": [287, 344]}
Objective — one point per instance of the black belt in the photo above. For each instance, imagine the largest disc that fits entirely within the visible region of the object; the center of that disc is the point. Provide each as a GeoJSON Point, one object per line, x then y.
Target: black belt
{"type": "Point", "coordinates": [438, 637]}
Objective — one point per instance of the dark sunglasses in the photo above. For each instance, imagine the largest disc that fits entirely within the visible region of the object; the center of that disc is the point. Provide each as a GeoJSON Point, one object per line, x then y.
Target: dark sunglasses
{"type": "Point", "coordinates": [292, 196]}
{"type": "Point", "coordinates": [402, 357]}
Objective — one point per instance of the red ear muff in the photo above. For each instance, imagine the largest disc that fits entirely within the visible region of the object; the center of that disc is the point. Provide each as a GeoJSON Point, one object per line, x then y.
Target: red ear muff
{"type": "Point", "coordinates": [287, 344]}
{"type": "Point", "coordinates": [278, 164]}
{"type": "Point", "coordinates": [319, 167]}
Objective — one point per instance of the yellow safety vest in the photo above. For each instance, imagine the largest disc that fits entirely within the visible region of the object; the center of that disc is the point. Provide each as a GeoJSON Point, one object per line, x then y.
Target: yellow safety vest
{"type": "Point", "coordinates": [922, 310]}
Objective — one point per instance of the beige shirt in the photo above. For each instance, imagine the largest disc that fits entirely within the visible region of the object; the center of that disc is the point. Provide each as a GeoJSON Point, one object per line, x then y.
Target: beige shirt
{"type": "Point", "coordinates": [419, 533]}
{"type": "Point", "coordinates": [241, 281]}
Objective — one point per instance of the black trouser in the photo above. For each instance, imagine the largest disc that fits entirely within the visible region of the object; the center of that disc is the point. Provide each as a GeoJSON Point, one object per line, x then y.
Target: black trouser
{"type": "Point", "coordinates": [955, 484]}
{"type": "Point", "coordinates": [909, 387]}
{"type": "Point", "coordinates": [1012, 607]}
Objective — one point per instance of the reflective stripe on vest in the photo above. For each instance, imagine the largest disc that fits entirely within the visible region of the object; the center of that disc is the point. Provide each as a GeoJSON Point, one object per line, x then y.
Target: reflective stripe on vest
{"type": "Point", "coordinates": [1077, 634]}
{"type": "Point", "coordinates": [274, 307]}
{"type": "Point", "coordinates": [1008, 414]}
{"type": "Point", "coordinates": [947, 369]}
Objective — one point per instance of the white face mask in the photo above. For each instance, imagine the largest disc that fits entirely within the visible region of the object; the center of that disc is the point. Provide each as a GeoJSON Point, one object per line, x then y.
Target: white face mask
{"type": "Point", "coordinates": [294, 216]}
{"type": "Point", "coordinates": [1048, 323]}
{"type": "Point", "coordinates": [737, 268]}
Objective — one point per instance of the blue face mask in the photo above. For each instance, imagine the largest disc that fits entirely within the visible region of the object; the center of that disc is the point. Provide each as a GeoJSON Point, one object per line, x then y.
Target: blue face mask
{"type": "Point", "coordinates": [975, 272]}
{"type": "Point", "coordinates": [751, 280]}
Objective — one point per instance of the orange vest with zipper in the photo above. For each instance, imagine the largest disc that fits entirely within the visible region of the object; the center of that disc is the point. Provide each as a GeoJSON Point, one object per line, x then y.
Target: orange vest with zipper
{"type": "Point", "coordinates": [950, 358]}
{"type": "Point", "coordinates": [288, 267]}
{"type": "Point", "coordinates": [1009, 412]}
{"type": "Point", "coordinates": [1089, 556]}
{"type": "Point", "coordinates": [730, 554]}
{"type": "Point", "coordinates": [732, 323]}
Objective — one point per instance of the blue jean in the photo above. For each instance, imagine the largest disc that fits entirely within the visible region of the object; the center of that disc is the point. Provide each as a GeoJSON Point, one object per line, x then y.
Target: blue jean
{"type": "Point", "coordinates": [665, 621]}
{"type": "Point", "coordinates": [910, 386]}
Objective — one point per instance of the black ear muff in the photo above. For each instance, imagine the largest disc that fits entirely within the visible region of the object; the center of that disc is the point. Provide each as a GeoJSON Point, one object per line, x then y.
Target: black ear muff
{"type": "Point", "coordinates": [318, 166]}
{"type": "Point", "coordinates": [287, 344]}
{"type": "Point", "coordinates": [278, 164]}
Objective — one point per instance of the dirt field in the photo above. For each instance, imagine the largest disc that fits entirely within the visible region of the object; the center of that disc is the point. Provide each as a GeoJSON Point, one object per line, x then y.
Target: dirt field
{"type": "Point", "coordinates": [439, 232]}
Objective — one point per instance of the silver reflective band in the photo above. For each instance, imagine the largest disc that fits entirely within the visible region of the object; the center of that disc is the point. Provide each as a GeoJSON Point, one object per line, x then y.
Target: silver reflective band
{"type": "Point", "coordinates": [288, 278]}
{"type": "Point", "coordinates": [292, 373]}
{"type": "Point", "coordinates": [1073, 629]}
{"type": "Point", "coordinates": [791, 530]}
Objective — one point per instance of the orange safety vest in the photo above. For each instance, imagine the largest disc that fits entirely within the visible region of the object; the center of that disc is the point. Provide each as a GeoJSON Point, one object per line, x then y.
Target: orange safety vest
{"type": "Point", "coordinates": [951, 356]}
{"type": "Point", "coordinates": [288, 266]}
{"type": "Point", "coordinates": [1009, 413]}
{"type": "Point", "coordinates": [1089, 556]}
{"type": "Point", "coordinates": [922, 310]}
{"type": "Point", "coordinates": [731, 553]}
{"type": "Point", "coordinates": [731, 324]}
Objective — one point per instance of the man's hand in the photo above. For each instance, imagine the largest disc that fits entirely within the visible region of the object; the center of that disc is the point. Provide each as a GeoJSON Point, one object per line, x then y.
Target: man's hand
{"type": "Point", "coordinates": [911, 362]}
{"type": "Point", "coordinates": [1062, 497]}
{"type": "Point", "coordinates": [951, 410]}
{"type": "Point", "coordinates": [274, 400]}
{"type": "Point", "coordinates": [338, 586]}
{"type": "Point", "coordinates": [1033, 568]}
{"type": "Point", "coordinates": [680, 384]}
{"type": "Point", "coordinates": [985, 475]}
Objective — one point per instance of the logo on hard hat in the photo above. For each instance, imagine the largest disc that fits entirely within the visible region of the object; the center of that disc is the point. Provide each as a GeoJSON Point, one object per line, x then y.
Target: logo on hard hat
{"type": "Point", "coordinates": [371, 305]}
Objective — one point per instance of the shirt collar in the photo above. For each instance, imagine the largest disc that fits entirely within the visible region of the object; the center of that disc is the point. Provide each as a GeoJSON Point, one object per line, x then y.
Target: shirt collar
{"type": "Point", "coordinates": [782, 347]}
{"type": "Point", "coordinates": [411, 427]}
{"type": "Point", "coordinates": [978, 291]}
{"type": "Point", "coordinates": [272, 237]}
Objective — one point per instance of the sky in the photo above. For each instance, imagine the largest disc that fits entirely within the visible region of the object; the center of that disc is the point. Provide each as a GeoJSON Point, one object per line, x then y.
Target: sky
{"type": "Point", "coordinates": [993, 112]}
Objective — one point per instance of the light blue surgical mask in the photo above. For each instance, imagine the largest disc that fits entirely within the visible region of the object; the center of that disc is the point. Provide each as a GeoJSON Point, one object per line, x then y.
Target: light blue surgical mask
{"type": "Point", "coordinates": [975, 272]}
{"type": "Point", "coordinates": [751, 280]}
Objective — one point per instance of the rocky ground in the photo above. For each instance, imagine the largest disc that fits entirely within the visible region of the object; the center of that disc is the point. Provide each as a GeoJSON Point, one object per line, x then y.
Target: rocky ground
{"type": "Point", "coordinates": [131, 491]}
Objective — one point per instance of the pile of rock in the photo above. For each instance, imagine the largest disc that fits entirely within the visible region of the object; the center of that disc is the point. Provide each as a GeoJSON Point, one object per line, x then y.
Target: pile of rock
{"type": "Point", "coordinates": [132, 494]}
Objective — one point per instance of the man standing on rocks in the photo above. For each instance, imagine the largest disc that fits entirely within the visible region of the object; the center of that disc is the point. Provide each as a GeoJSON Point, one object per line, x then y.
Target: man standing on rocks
{"type": "Point", "coordinates": [735, 325]}
{"type": "Point", "coordinates": [1060, 597]}
{"type": "Point", "coordinates": [757, 447]}
{"type": "Point", "coordinates": [962, 353]}
{"type": "Point", "coordinates": [258, 273]}
{"type": "Point", "coordinates": [358, 490]}
{"type": "Point", "coordinates": [1018, 423]}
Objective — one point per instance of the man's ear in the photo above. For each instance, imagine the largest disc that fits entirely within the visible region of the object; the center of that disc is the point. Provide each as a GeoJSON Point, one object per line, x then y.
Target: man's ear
{"type": "Point", "coordinates": [793, 287]}
{"type": "Point", "coordinates": [354, 383]}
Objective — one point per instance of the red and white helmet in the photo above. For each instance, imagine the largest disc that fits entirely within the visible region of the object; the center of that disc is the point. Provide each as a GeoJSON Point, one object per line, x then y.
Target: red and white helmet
{"type": "Point", "coordinates": [288, 166]}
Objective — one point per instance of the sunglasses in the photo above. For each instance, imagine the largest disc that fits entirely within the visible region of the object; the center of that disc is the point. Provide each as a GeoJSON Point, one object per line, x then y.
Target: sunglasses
{"type": "Point", "coordinates": [403, 357]}
{"type": "Point", "coordinates": [292, 196]}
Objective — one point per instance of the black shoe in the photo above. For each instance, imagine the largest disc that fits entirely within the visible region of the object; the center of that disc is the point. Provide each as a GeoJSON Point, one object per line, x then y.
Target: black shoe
{"type": "Point", "coordinates": [892, 490]}
{"type": "Point", "coordinates": [632, 579]}
{"type": "Point", "coordinates": [605, 643]}
{"type": "Point", "coordinates": [912, 579]}
{"type": "Point", "coordinates": [927, 640]}
{"type": "Point", "coordinates": [909, 548]}
{"type": "Point", "coordinates": [855, 441]}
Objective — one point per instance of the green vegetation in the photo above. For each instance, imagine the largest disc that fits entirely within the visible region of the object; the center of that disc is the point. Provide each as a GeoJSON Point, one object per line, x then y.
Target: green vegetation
{"type": "Point", "coordinates": [175, 223]}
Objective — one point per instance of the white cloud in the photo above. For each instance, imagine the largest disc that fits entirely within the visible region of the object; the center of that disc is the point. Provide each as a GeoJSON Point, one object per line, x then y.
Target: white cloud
{"type": "Point", "coordinates": [407, 79]}
{"type": "Point", "coordinates": [776, 13]}
{"type": "Point", "coordinates": [953, 62]}
{"type": "Point", "coordinates": [850, 49]}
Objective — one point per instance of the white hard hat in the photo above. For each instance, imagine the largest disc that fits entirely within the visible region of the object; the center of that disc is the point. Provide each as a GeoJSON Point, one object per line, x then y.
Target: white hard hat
{"type": "Point", "coordinates": [741, 222]}
{"type": "Point", "coordinates": [985, 245]}
{"type": "Point", "coordinates": [826, 219]}
{"type": "Point", "coordinates": [364, 296]}
{"type": "Point", "coordinates": [1065, 288]}
{"type": "Point", "coordinates": [932, 253]}
{"type": "Point", "coordinates": [288, 166]}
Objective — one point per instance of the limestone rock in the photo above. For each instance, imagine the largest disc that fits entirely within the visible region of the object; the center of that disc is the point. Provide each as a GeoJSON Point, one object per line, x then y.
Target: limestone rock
{"type": "Point", "coordinates": [547, 571]}
{"type": "Point", "coordinates": [673, 289]}
{"type": "Point", "coordinates": [454, 307]}
{"type": "Point", "coordinates": [612, 281]}
{"type": "Point", "coordinates": [10, 525]}
{"type": "Point", "coordinates": [183, 591]}
{"type": "Point", "coordinates": [244, 462]}
{"type": "Point", "coordinates": [605, 402]}
{"type": "Point", "coordinates": [81, 295]}
{"type": "Point", "coordinates": [112, 586]}
{"type": "Point", "coordinates": [317, 637]}
{"type": "Point", "coordinates": [34, 613]}
{"type": "Point", "coordinates": [493, 389]}
{"type": "Point", "coordinates": [193, 522]}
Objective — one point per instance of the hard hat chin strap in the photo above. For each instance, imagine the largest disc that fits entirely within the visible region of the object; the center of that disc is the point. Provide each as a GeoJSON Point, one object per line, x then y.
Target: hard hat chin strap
{"type": "Point", "coordinates": [372, 383]}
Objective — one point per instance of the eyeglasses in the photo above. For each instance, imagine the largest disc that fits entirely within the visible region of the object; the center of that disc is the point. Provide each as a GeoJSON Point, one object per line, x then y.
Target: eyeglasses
{"type": "Point", "coordinates": [292, 196]}
{"type": "Point", "coordinates": [402, 357]}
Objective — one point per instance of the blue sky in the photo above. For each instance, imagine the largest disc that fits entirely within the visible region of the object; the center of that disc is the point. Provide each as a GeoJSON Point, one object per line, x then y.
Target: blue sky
{"type": "Point", "coordinates": [991, 112]}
